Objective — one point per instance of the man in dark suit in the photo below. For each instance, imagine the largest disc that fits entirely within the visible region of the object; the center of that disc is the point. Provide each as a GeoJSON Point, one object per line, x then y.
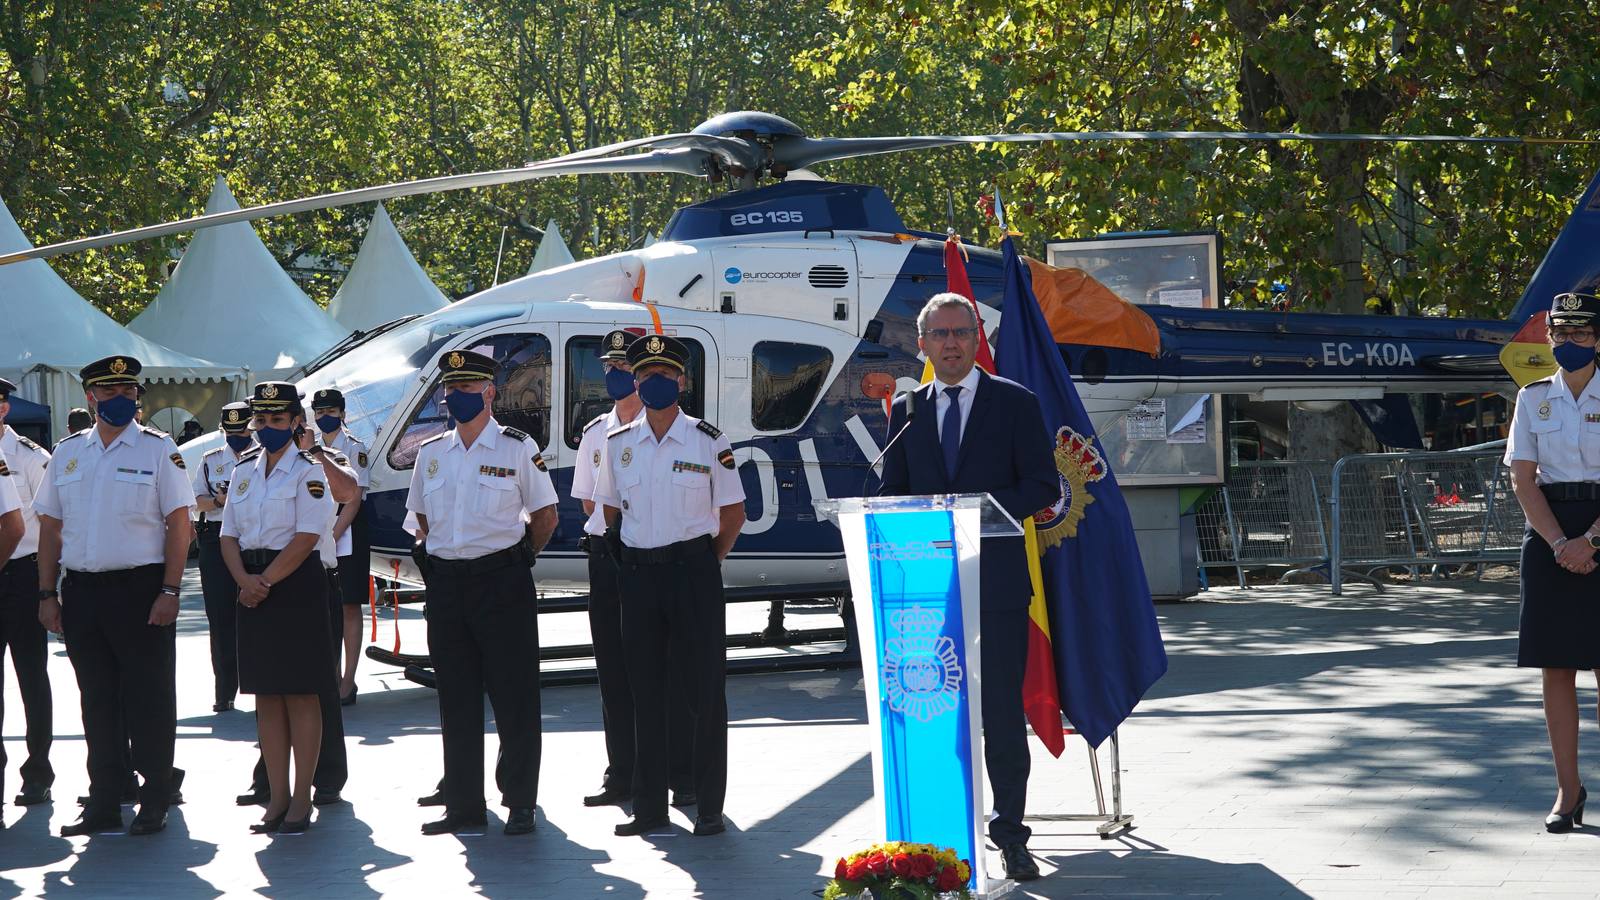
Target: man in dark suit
{"type": "Point", "coordinates": [974, 433]}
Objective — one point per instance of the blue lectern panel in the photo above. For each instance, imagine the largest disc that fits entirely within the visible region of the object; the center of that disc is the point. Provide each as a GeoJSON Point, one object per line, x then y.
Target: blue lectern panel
{"type": "Point", "coordinates": [922, 666]}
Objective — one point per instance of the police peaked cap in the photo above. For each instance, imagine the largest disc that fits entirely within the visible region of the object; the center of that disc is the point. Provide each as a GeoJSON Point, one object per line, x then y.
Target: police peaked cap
{"type": "Point", "coordinates": [6, 389]}
{"type": "Point", "coordinates": [465, 365]}
{"type": "Point", "coordinates": [658, 348]}
{"type": "Point", "coordinates": [274, 396]}
{"type": "Point", "coordinates": [112, 370]}
{"type": "Point", "coordinates": [236, 417]}
{"type": "Point", "coordinates": [1574, 308]}
{"type": "Point", "coordinates": [327, 397]}
{"type": "Point", "coordinates": [614, 346]}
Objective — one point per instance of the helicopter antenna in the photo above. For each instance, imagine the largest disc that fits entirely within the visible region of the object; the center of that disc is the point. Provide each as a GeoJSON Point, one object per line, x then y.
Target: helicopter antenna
{"type": "Point", "coordinates": [950, 212]}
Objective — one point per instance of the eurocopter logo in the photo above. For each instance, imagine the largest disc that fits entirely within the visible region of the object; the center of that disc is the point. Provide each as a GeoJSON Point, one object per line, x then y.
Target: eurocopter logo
{"type": "Point", "coordinates": [734, 275]}
{"type": "Point", "coordinates": [913, 550]}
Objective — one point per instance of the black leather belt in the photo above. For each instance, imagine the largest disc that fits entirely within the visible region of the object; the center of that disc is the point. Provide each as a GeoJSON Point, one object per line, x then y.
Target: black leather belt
{"type": "Point", "coordinates": [30, 558]}
{"type": "Point", "coordinates": [594, 545]}
{"type": "Point", "coordinates": [480, 566]}
{"type": "Point", "coordinates": [258, 559]}
{"type": "Point", "coordinates": [1571, 491]}
{"type": "Point", "coordinates": [113, 575]}
{"type": "Point", "coordinates": [670, 553]}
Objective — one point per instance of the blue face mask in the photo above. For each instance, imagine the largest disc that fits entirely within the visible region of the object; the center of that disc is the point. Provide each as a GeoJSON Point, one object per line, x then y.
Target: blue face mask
{"type": "Point", "coordinates": [239, 442]}
{"type": "Point", "coordinates": [274, 439]}
{"type": "Point", "coordinates": [658, 391]}
{"type": "Point", "coordinates": [463, 406]}
{"type": "Point", "coordinates": [329, 424]}
{"type": "Point", "coordinates": [619, 384]}
{"type": "Point", "coordinates": [117, 411]}
{"type": "Point", "coordinates": [1573, 357]}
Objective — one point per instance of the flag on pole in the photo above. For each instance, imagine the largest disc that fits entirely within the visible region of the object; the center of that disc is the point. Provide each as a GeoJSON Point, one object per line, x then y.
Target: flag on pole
{"type": "Point", "coordinates": [1104, 636]}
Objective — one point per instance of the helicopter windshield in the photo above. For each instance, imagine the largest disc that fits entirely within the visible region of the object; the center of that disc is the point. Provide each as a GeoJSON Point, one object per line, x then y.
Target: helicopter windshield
{"type": "Point", "coordinates": [374, 375]}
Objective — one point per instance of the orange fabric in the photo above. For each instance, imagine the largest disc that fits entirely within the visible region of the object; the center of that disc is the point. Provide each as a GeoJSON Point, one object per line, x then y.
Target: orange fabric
{"type": "Point", "coordinates": [1081, 310]}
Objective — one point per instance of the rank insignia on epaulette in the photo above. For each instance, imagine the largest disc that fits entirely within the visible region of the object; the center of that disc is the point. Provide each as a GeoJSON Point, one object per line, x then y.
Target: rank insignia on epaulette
{"type": "Point", "coordinates": [361, 457]}
{"type": "Point", "coordinates": [177, 460]}
{"type": "Point", "coordinates": [726, 458]}
{"type": "Point", "coordinates": [315, 489]}
{"type": "Point", "coordinates": [538, 463]}
{"type": "Point", "coordinates": [710, 430]}
{"type": "Point", "coordinates": [514, 433]}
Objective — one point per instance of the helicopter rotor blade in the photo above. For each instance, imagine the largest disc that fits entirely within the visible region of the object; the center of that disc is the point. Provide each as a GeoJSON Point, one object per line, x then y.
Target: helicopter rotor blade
{"type": "Point", "coordinates": [731, 151]}
{"type": "Point", "coordinates": [683, 162]}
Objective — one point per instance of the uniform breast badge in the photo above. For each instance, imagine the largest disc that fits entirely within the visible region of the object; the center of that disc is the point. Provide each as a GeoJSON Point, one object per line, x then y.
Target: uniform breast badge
{"type": "Point", "coordinates": [72, 466]}
{"type": "Point", "coordinates": [433, 467]}
{"type": "Point", "coordinates": [627, 456]}
{"type": "Point", "coordinates": [1544, 411]}
{"type": "Point", "coordinates": [920, 665]}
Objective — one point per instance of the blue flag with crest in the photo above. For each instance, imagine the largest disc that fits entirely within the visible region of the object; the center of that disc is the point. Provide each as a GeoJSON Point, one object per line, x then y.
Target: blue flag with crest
{"type": "Point", "coordinates": [1106, 642]}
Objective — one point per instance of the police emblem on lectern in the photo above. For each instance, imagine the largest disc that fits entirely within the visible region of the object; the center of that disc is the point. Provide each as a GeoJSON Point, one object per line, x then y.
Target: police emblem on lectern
{"type": "Point", "coordinates": [920, 666]}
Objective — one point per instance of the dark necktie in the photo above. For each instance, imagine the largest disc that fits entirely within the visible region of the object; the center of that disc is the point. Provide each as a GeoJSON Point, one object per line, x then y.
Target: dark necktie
{"type": "Point", "coordinates": [950, 430]}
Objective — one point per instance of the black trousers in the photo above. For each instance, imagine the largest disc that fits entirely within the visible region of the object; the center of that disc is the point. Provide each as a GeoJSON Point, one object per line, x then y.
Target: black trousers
{"type": "Point", "coordinates": [123, 663]}
{"type": "Point", "coordinates": [616, 698]}
{"type": "Point", "coordinates": [1005, 729]}
{"type": "Point", "coordinates": [333, 765]}
{"type": "Point", "coordinates": [483, 636]}
{"type": "Point", "coordinates": [222, 613]}
{"type": "Point", "coordinates": [674, 628]}
{"type": "Point", "coordinates": [21, 632]}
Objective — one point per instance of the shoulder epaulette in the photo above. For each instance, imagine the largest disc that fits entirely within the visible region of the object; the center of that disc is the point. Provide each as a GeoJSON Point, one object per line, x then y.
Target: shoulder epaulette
{"type": "Point", "coordinates": [436, 437]}
{"type": "Point", "coordinates": [155, 431]}
{"type": "Point", "coordinates": [250, 454]}
{"type": "Point", "coordinates": [75, 434]}
{"type": "Point", "coordinates": [593, 422]}
{"type": "Point", "coordinates": [513, 433]}
{"type": "Point", "coordinates": [30, 444]}
{"type": "Point", "coordinates": [212, 451]}
{"type": "Point", "coordinates": [711, 431]}
{"type": "Point", "coordinates": [308, 456]}
{"type": "Point", "coordinates": [619, 430]}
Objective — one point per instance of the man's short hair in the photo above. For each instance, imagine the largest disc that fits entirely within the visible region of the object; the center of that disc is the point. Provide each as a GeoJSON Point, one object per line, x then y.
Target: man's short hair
{"type": "Point", "coordinates": [79, 419]}
{"type": "Point", "coordinates": [942, 301]}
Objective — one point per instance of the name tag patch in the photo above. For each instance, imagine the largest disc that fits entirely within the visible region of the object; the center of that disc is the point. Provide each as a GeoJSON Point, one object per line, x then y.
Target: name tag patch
{"type": "Point", "coordinates": [679, 465]}
{"type": "Point", "coordinates": [497, 471]}
{"type": "Point", "coordinates": [134, 472]}
{"type": "Point", "coordinates": [1591, 417]}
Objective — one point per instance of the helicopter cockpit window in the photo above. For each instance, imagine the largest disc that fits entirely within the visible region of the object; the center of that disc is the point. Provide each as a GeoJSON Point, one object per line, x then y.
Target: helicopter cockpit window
{"type": "Point", "coordinates": [785, 381]}
{"type": "Point", "coordinates": [522, 395]}
{"type": "Point", "coordinates": [586, 384]}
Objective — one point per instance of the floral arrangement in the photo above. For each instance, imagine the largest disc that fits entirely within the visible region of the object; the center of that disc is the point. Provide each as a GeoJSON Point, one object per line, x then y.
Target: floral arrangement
{"type": "Point", "coordinates": [899, 869]}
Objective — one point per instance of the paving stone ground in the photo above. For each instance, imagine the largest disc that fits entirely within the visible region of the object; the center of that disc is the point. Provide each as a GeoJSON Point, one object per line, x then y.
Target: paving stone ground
{"type": "Point", "coordinates": [1377, 745]}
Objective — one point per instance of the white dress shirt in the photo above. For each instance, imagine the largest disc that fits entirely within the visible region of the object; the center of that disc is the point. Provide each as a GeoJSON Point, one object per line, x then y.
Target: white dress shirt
{"type": "Point", "coordinates": [267, 509]}
{"type": "Point", "coordinates": [669, 490]}
{"type": "Point", "coordinates": [27, 462]}
{"type": "Point", "coordinates": [9, 498]}
{"type": "Point", "coordinates": [213, 474]}
{"type": "Point", "coordinates": [353, 455]}
{"type": "Point", "coordinates": [113, 501]}
{"type": "Point", "coordinates": [1559, 432]}
{"type": "Point", "coordinates": [941, 401]}
{"type": "Point", "coordinates": [586, 470]}
{"type": "Point", "coordinates": [477, 499]}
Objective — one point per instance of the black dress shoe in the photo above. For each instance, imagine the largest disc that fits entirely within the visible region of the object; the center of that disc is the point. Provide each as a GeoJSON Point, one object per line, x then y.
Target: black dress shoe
{"type": "Point", "coordinates": [222, 706]}
{"type": "Point", "coordinates": [639, 826]}
{"type": "Point", "coordinates": [434, 799]}
{"type": "Point", "coordinates": [608, 797]}
{"type": "Point", "coordinates": [268, 826]}
{"type": "Point", "coordinates": [297, 827]}
{"type": "Point", "coordinates": [1019, 862]}
{"type": "Point", "coordinates": [681, 799]}
{"type": "Point", "coordinates": [148, 822]}
{"type": "Point", "coordinates": [321, 797]}
{"type": "Point", "coordinates": [521, 820]}
{"type": "Point", "coordinates": [93, 823]}
{"type": "Point", "coordinates": [455, 821]}
{"type": "Point", "coordinates": [705, 827]}
{"type": "Point", "coordinates": [176, 797]}
{"type": "Point", "coordinates": [33, 795]}
{"type": "Point", "coordinates": [254, 797]}
{"type": "Point", "coordinates": [1561, 823]}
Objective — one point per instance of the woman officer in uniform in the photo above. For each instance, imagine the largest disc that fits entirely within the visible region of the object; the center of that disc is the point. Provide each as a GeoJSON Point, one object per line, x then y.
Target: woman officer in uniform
{"type": "Point", "coordinates": [1554, 456]}
{"type": "Point", "coordinates": [278, 510]}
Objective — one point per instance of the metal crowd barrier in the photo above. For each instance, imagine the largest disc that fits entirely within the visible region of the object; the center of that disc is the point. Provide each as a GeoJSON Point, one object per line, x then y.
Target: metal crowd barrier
{"type": "Point", "coordinates": [1363, 514]}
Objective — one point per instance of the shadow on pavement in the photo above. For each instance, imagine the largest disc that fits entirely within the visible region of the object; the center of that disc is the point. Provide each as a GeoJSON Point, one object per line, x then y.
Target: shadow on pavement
{"type": "Point", "coordinates": [117, 865]}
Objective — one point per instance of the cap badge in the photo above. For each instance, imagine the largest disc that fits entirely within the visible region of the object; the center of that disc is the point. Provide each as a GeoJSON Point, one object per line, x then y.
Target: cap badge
{"type": "Point", "coordinates": [454, 361]}
{"type": "Point", "coordinates": [654, 345]}
{"type": "Point", "coordinates": [118, 366]}
{"type": "Point", "coordinates": [269, 391]}
{"type": "Point", "coordinates": [616, 340]}
{"type": "Point", "coordinates": [1569, 302]}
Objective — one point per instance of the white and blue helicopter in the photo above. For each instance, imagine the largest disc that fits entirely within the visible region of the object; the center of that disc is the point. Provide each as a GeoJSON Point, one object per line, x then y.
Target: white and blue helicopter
{"type": "Point", "coordinates": [798, 300]}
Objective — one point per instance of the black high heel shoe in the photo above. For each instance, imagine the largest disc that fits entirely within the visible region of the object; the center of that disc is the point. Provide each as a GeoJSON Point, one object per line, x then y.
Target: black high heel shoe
{"type": "Point", "coordinates": [299, 826]}
{"type": "Point", "coordinates": [270, 826]}
{"type": "Point", "coordinates": [1561, 823]}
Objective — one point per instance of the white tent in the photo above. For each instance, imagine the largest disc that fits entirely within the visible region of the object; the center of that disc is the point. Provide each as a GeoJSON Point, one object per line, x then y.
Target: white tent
{"type": "Point", "coordinates": [51, 333]}
{"type": "Point", "coordinates": [385, 281]}
{"type": "Point", "coordinates": [552, 250]}
{"type": "Point", "coordinates": [229, 300]}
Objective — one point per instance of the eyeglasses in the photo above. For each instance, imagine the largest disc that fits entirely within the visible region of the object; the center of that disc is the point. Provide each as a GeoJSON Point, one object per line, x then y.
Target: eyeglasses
{"type": "Point", "coordinates": [1583, 336]}
{"type": "Point", "coordinates": [959, 334]}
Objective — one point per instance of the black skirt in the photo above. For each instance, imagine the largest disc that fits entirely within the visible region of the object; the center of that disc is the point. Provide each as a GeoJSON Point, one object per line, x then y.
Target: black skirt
{"type": "Point", "coordinates": [284, 643]}
{"type": "Point", "coordinates": [1560, 623]}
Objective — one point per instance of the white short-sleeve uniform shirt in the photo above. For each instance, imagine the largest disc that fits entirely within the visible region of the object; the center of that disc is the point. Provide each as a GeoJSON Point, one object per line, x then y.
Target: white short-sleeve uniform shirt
{"type": "Point", "coordinates": [1559, 432]}
{"type": "Point", "coordinates": [669, 490]}
{"type": "Point", "coordinates": [267, 509]}
{"type": "Point", "coordinates": [478, 499]}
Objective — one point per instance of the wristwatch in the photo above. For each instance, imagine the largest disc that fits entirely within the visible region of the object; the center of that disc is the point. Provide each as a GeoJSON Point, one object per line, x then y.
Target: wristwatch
{"type": "Point", "coordinates": [1594, 539]}
{"type": "Point", "coordinates": [169, 589]}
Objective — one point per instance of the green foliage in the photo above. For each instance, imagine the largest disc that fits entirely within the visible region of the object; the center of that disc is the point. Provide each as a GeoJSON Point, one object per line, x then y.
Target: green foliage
{"type": "Point", "coordinates": [115, 114]}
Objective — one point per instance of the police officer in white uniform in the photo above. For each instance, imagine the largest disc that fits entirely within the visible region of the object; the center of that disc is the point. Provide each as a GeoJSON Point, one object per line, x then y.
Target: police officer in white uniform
{"type": "Point", "coordinates": [351, 532]}
{"type": "Point", "coordinates": [20, 630]}
{"type": "Point", "coordinates": [114, 512]}
{"type": "Point", "coordinates": [1553, 452]}
{"type": "Point", "coordinates": [673, 506]}
{"type": "Point", "coordinates": [211, 479]}
{"type": "Point", "coordinates": [482, 506]}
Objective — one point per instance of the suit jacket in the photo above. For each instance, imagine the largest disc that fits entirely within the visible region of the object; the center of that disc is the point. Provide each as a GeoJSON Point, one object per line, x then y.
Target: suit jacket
{"type": "Point", "coordinates": [1005, 452]}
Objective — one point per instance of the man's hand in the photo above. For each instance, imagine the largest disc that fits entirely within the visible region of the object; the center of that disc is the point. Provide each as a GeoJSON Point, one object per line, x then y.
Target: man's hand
{"type": "Point", "coordinates": [221, 498]}
{"type": "Point", "coordinates": [50, 615]}
{"type": "Point", "coordinates": [253, 590]}
{"type": "Point", "coordinates": [1576, 556]}
{"type": "Point", "coordinates": [164, 611]}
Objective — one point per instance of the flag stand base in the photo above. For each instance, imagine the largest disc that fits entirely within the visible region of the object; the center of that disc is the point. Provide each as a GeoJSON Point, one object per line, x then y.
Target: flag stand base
{"type": "Point", "coordinates": [1113, 822]}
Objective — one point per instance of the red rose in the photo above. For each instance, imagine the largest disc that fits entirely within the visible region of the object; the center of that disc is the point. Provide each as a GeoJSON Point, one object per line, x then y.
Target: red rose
{"type": "Point", "coordinates": [857, 870]}
{"type": "Point", "coordinates": [841, 871]}
{"type": "Point", "coordinates": [923, 865]}
{"type": "Point", "coordinates": [878, 864]}
{"type": "Point", "coordinates": [949, 879]}
{"type": "Point", "coordinates": [900, 864]}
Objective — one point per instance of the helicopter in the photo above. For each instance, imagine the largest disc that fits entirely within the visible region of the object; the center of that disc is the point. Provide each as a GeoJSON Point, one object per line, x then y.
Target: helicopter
{"type": "Point", "coordinates": [797, 301]}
